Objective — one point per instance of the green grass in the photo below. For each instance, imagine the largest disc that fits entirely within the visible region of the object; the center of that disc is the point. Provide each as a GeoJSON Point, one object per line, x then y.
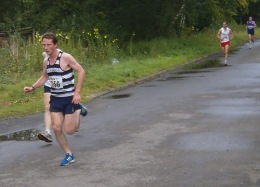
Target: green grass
{"type": "Point", "coordinates": [138, 60]}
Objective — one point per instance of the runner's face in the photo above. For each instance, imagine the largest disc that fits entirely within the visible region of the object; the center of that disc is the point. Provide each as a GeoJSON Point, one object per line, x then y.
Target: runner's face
{"type": "Point", "coordinates": [224, 24]}
{"type": "Point", "coordinates": [48, 46]}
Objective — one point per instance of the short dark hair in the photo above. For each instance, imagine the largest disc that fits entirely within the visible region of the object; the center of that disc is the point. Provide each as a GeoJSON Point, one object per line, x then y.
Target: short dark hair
{"type": "Point", "coordinates": [50, 35]}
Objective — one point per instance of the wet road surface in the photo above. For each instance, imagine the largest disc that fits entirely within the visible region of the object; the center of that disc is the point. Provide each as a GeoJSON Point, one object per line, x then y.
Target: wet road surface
{"type": "Point", "coordinates": [197, 129]}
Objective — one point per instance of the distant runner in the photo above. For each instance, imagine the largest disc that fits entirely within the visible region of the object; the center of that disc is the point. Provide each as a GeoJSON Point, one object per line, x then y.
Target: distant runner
{"type": "Point", "coordinates": [251, 31]}
{"type": "Point", "coordinates": [225, 35]}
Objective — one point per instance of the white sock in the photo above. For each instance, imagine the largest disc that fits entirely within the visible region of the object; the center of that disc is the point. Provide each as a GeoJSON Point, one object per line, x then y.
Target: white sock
{"type": "Point", "coordinates": [48, 131]}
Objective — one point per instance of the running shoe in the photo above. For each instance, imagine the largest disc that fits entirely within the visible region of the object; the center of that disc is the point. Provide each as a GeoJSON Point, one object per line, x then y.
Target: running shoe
{"type": "Point", "coordinates": [69, 158]}
{"type": "Point", "coordinates": [45, 136]}
{"type": "Point", "coordinates": [84, 110]}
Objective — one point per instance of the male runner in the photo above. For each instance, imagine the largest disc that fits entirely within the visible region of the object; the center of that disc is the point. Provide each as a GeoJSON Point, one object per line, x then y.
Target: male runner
{"type": "Point", "coordinates": [251, 31]}
{"type": "Point", "coordinates": [225, 34]}
{"type": "Point", "coordinates": [65, 97]}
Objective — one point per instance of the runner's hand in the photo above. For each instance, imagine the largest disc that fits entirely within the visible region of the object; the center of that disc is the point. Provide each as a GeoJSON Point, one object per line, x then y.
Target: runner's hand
{"type": "Point", "coordinates": [76, 98]}
{"type": "Point", "coordinates": [27, 89]}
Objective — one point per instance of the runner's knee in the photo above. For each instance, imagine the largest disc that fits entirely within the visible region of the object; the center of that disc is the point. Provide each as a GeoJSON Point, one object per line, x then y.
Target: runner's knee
{"type": "Point", "coordinates": [57, 129]}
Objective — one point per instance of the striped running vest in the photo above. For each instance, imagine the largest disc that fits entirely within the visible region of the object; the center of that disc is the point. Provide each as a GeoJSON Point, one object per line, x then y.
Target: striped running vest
{"type": "Point", "coordinates": [62, 82]}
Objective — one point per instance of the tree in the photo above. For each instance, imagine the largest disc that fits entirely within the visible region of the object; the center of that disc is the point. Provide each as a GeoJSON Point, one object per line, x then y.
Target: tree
{"type": "Point", "coordinates": [121, 18]}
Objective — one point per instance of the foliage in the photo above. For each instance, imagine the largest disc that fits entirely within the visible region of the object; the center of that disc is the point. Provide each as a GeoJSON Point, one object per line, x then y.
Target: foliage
{"type": "Point", "coordinates": [100, 47]}
{"type": "Point", "coordinates": [254, 7]}
{"type": "Point", "coordinates": [120, 18]}
{"type": "Point", "coordinates": [20, 56]}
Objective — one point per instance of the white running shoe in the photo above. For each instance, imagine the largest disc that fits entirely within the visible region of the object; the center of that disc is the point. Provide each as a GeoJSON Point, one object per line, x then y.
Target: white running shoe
{"type": "Point", "coordinates": [45, 136]}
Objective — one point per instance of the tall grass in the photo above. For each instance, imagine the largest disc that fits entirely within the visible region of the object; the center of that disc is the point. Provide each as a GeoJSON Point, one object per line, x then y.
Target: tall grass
{"type": "Point", "coordinates": [21, 62]}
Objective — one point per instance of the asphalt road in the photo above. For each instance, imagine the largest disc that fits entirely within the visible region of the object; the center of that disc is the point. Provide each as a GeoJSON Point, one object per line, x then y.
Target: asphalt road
{"type": "Point", "coordinates": [193, 129]}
